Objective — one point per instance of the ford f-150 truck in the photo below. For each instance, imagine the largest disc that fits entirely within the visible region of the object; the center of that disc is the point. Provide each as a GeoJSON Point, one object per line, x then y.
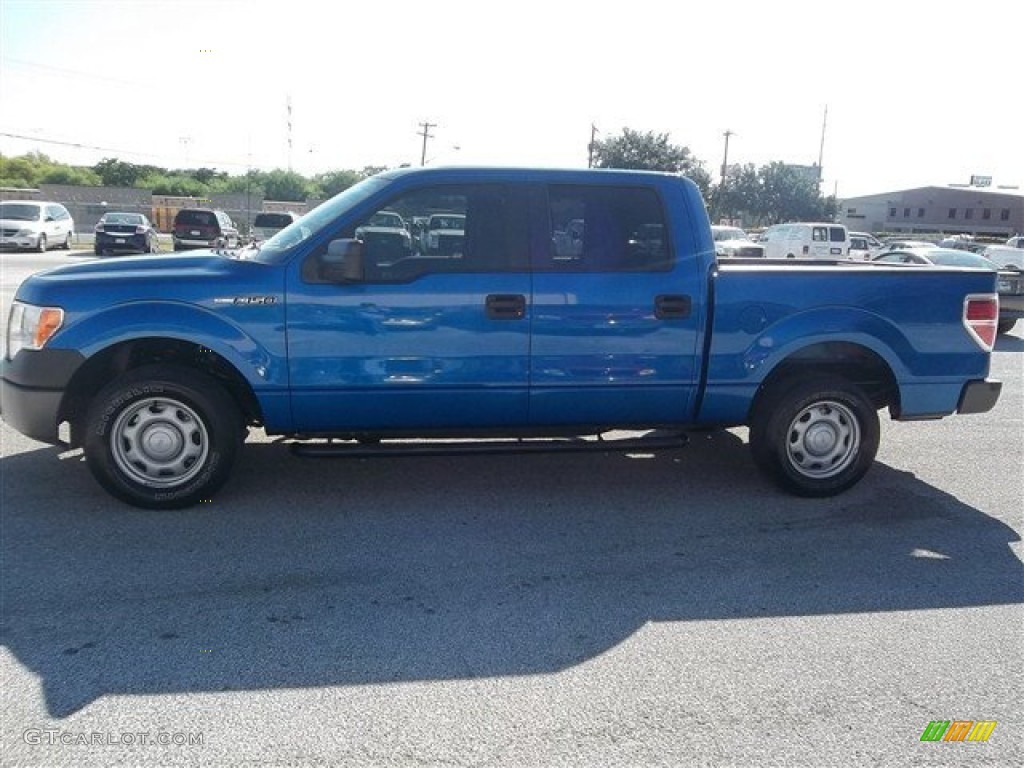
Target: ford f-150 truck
{"type": "Point", "coordinates": [157, 365]}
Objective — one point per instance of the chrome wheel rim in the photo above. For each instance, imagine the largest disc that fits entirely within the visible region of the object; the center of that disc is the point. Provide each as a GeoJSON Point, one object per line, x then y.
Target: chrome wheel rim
{"type": "Point", "coordinates": [823, 440]}
{"type": "Point", "coordinates": [159, 442]}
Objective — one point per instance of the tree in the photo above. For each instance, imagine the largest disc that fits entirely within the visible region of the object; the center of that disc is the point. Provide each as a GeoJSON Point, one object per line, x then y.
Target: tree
{"type": "Point", "coordinates": [66, 174]}
{"type": "Point", "coordinates": [327, 185]}
{"type": "Point", "coordinates": [279, 184]}
{"type": "Point", "coordinates": [788, 195]}
{"type": "Point", "coordinates": [117, 173]}
{"type": "Point", "coordinates": [650, 152]}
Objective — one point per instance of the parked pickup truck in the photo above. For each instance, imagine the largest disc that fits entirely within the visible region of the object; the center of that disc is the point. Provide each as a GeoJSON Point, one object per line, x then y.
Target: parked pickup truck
{"type": "Point", "coordinates": [157, 365]}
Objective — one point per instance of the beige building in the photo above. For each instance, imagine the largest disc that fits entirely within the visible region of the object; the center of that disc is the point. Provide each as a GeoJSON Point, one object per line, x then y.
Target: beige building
{"type": "Point", "coordinates": [997, 212]}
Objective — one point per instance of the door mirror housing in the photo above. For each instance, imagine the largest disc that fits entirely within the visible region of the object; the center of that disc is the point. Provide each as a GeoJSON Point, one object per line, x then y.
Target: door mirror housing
{"type": "Point", "coordinates": [343, 262]}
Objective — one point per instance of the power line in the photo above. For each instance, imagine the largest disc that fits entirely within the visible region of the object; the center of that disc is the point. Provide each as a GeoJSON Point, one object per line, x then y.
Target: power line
{"type": "Point", "coordinates": [79, 145]}
{"type": "Point", "coordinates": [74, 73]}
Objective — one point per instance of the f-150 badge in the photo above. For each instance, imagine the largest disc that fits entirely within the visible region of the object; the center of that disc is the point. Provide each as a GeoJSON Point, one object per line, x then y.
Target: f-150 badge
{"type": "Point", "coordinates": [245, 300]}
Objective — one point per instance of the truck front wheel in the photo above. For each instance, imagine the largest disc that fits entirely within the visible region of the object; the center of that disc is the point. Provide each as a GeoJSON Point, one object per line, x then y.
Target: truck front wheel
{"type": "Point", "coordinates": [815, 437]}
{"type": "Point", "coordinates": [162, 437]}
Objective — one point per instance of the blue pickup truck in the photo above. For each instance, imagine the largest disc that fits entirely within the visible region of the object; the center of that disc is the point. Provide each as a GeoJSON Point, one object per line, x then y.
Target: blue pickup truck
{"type": "Point", "coordinates": [568, 304]}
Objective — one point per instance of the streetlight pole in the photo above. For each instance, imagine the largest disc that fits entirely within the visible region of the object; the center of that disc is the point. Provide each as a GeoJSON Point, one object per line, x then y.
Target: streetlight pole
{"type": "Point", "coordinates": [725, 158]}
{"type": "Point", "coordinates": [591, 146]}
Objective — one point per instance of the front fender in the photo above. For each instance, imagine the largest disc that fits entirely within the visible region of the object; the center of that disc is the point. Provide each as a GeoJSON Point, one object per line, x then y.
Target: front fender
{"type": "Point", "coordinates": [263, 365]}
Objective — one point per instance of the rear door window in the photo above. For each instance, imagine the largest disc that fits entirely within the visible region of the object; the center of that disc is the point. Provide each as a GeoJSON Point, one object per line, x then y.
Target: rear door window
{"type": "Point", "coordinates": [837, 234]}
{"type": "Point", "coordinates": [605, 229]}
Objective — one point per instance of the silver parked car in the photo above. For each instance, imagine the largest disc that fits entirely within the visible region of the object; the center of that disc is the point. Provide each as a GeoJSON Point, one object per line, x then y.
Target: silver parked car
{"type": "Point", "coordinates": [34, 225]}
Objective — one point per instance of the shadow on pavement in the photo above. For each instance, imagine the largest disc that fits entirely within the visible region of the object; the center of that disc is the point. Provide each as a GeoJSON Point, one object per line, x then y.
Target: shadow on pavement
{"type": "Point", "coordinates": [322, 573]}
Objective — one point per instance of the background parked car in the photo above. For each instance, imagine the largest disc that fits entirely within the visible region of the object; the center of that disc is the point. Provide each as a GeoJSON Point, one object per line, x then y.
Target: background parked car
{"type": "Point", "coordinates": [31, 224]}
{"type": "Point", "coordinates": [203, 228]}
{"type": "Point", "coordinates": [124, 232]}
{"type": "Point", "coordinates": [1010, 283]}
{"type": "Point", "coordinates": [734, 242]}
{"type": "Point", "coordinates": [864, 246]}
{"type": "Point", "coordinates": [269, 223]}
{"type": "Point", "coordinates": [896, 244]}
{"type": "Point", "coordinates": [1007, 256]}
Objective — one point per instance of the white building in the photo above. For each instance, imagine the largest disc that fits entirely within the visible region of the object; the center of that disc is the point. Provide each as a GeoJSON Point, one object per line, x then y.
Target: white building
{"type": "Point", "coordinates": [997, 212]}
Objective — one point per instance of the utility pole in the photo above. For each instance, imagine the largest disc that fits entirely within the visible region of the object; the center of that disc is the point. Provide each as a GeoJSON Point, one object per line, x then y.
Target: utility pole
{"type": "Point", "coordinates": [426, 134]}
{"type": "Point", "coordinates": [725, 158]}
{"type": "Point", "coordinates": [185, 141]}
{"type": "Point", "coordinates": [821, 149]}
{"type": "Point", "coordinates": [289, 133]}
{"type": "Point", "coordinates": [592, 145]}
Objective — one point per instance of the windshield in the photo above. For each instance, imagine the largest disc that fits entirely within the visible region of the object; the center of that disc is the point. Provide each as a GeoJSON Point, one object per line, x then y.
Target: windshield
{"type": "Point", "coordinates": [278, 220]}
{"type": "Point", "coordinates": [275, 250]}
{"type": "Point", "coordinates": [392, 220]}
{"type": "Point", "coordinates": [19, 212]}
{"type": "Point", "coordinates": [447, 222]}
{"type": "Point", "coordinates": [122, 218]}
{"type": "Point", "coordinates": [728, 233]}
{"type": "Point", "coordinates": [960, 259]}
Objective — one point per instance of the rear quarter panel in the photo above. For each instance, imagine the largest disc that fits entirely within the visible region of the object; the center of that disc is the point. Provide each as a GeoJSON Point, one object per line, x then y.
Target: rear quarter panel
{"type": "Point", "coordinates": [912, 319]}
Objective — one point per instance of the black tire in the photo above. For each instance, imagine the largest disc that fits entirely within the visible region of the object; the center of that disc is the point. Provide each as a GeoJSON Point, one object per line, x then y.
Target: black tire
{"type": "Point", "coordinates": [814, 437]}
{"type": "Point", "coordinates": [168, 414]}
{"type": "Point", "coordinates": [1005, 326]}
{"type": "Point", "coordinates": [41, 244]}
{"type": "Point", "coordinates": [98, 251]}
{"type": "Point", "coordinates": [67, 242]}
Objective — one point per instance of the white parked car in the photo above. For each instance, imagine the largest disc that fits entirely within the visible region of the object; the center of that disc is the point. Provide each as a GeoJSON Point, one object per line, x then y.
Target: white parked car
{"type": "Point", "coordinates": [864, 246]}
{"type": "Point", "coordinates": [445, 234]}
{"type": "Point", "coordinates": [733, 242]}
{"type": "Point", "coordinates": [34, 225]}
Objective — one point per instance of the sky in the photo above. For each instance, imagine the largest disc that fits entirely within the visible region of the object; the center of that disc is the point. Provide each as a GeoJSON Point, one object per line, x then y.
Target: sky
{"type": "Point", "coordinates": [917, 93]}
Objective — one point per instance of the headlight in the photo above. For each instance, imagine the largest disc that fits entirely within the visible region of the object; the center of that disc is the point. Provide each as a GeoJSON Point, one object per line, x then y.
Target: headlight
{"type": "Point", "coordinates": [30, 327]}
{"type": "Point", "coordinates": [24, 233]}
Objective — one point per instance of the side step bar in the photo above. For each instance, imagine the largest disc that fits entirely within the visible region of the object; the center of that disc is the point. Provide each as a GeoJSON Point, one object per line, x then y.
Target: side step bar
{"type": "Point", "coordinates": [362, 450]}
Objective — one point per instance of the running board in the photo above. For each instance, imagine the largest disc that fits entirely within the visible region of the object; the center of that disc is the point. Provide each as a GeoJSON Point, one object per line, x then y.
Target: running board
{"type": "Point", "coordinates": [357, 450]}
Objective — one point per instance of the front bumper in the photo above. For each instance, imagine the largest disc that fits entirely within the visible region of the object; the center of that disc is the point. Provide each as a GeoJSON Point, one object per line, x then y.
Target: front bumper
{"type": "Point", "coordinates": [32, 388]}
{"type": "Point", "coordinates": [979, 396]}
{"type": "Point", "coordinates": [19, 243]}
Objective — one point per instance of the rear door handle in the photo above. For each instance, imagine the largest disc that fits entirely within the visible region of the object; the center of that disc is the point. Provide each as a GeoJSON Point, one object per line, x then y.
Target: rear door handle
{"type": "Point", "coordinates": [671, 307]}
{"type": "Point", "coordinates": [506, 306]}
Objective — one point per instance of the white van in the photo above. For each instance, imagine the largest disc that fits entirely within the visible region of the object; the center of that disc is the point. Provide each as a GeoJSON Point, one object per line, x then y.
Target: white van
{"type": "Point", "coordinates": [806, 240]}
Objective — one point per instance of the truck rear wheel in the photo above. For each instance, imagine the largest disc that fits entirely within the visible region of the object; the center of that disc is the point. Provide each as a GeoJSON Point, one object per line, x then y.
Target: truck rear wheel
{"type": "Point", "coordinates": [162, 437]}
{"type": "Point", "coordinates": [815, 437]}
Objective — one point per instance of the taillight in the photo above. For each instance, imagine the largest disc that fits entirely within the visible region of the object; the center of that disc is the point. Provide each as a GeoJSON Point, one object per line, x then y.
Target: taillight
{"type": "Point", "coordinates": [981, 318]}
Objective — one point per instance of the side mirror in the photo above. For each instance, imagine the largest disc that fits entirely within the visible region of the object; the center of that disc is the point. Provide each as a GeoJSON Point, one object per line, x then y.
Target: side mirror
{"type": "Point", "coordinates": [343, 262]}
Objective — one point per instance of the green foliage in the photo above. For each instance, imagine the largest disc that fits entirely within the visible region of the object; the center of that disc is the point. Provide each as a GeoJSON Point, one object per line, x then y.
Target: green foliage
{"type": "Point", "coordinates": [329, 184]}
{"type": "Point", "coordinates": [117, 173]}
{"type": "Point", "coordinates": [279, 184]}
{"type": "Point", "coordinates": [771, 194]}
{"type": "Point", "coordinates": [66, 174]}
{"type": "Point", "coordinates": [650, 152]}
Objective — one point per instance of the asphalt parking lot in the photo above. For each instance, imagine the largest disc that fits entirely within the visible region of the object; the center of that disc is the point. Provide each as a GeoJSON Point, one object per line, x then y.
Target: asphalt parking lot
{"type": "Point", "coordinates": [600, 609]}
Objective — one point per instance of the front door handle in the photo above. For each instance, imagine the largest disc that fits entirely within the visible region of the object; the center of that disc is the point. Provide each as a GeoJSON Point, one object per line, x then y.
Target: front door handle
{"type": "Point", "coordinates": [506, 306]}
{"type": "Point", "coordinates": [671, 307]}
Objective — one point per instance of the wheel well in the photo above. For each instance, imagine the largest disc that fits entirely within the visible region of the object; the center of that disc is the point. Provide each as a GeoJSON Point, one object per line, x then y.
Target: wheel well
{"type": "Point", "coordinates": [105, 366]}
{"type": "Point", "coordinates": [850, 361]}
